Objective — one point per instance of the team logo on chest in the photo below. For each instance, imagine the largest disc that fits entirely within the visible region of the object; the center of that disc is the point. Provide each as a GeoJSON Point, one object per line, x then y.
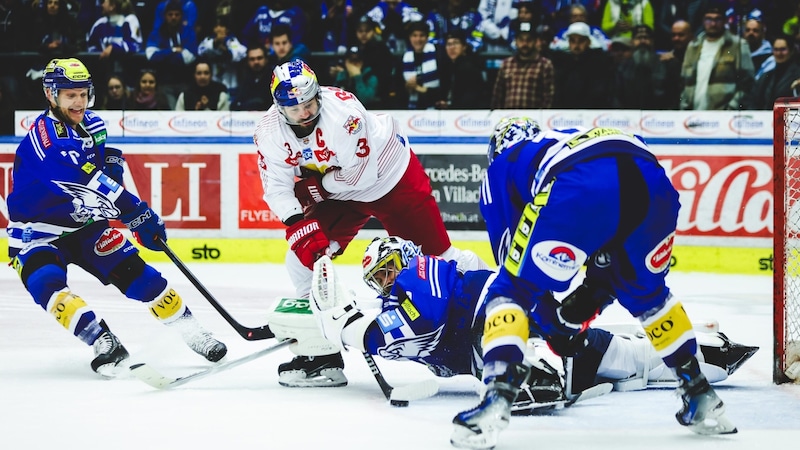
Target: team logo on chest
{"type": "Point", "coordinates": [88, 203]}
{"type": "Point", "coordinates": [419, 346]}
{"type": "Point", "coordinates": [353, 125]}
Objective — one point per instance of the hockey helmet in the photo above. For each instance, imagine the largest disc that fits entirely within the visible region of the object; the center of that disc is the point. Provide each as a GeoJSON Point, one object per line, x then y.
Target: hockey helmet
{"type": "Point", "coordinates": [294, 83]}
{"type": "Point", "coordinates": [378, 256]}
{"type": "Point", "coordinates": [509, 132]}
{"type": "Point", "coordinates": [68, 73]}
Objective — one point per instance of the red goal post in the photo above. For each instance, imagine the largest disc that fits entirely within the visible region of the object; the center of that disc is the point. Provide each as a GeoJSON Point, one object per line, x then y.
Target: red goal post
{"type": "Point", "coordinates": [786, 241]}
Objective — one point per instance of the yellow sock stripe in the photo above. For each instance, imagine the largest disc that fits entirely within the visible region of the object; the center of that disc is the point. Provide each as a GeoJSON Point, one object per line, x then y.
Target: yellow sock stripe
{"type": "Point", "coordinates": [519, 244]}
{"type": "Point", "coordinates": [168, 306]}
{"type": "Point", "coordinates": [65, 307]}
{"type": "Point", "coordinates": [669, 328]}
{"type": "Point", "coordinates": [506, 324]}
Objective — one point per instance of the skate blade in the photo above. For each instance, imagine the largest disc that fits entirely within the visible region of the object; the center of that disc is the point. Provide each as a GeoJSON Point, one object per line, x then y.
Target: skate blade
{"type": "Point", "coordinates": [714, 425]}
{"type": "Point", "coordinates": [110, 371]}
{"type": "Point", "coordinates": [464, 437]}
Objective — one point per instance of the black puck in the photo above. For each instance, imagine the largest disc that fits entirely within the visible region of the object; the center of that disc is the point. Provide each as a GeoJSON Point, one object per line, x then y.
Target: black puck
{"type": "Point", "coordinates": [399, 403]}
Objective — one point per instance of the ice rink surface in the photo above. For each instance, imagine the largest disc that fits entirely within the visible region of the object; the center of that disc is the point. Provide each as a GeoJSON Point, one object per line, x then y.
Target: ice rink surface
{"type": "Point", "coordinates": [50, 398]}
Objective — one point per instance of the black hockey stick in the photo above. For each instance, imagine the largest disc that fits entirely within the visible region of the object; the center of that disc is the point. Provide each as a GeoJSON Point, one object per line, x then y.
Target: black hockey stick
{"type": "Point", "coordinates": [250, 334]}
{"type": "Point", "coordinates": [401, 395]}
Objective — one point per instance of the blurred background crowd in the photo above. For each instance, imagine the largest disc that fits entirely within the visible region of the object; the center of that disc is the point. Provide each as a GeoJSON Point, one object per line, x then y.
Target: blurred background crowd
{"type": "Point", "coordinates": [424, 54]}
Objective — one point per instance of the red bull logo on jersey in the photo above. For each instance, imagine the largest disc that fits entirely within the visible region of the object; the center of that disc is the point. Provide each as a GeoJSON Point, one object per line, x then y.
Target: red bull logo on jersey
{"type": "Point", "coordinates": [110, 241]}
{"type": "Point", "coordinates": [658, 259]}
{"type": "Point", "coordinates": [558, 260]}
{"type": "Point", "coordinates": [353, 125]}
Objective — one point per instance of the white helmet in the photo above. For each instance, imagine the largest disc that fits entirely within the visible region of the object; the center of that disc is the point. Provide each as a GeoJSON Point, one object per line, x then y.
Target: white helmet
{"type": "Point", "coordinates": [382, 251]}
{"type": "Point", "coordinates": [509, 132]}
{"type": "Point", "coordinates": [294, 83]}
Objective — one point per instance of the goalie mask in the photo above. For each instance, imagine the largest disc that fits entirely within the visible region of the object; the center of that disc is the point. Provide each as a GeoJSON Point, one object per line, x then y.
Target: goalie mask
{"type": "Point", "coordinates": [384, 259]}
{"type": "Point", "coordinates": [509, 132]}
{"type": "Point", "coordinates": [293, 84]}
{"type": "Point", "coordinates": [68, 73]}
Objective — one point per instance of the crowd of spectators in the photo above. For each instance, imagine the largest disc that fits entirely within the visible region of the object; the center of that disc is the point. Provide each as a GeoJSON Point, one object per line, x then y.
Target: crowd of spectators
{"type": "Point", "coordinates": [424, 54]}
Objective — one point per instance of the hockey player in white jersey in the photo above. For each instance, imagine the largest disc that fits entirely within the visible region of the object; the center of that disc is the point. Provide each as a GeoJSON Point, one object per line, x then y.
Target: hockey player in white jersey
{"type": "Point", "coordinates": [67, 185]}
{"type": "Point", "coordinates": [352, 165]}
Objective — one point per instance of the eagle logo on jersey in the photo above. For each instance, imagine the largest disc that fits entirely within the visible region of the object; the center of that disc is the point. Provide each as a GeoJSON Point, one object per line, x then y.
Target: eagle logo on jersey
{"type": "Point", "coordinates": [419, 346]}
{"type": "Point", "coordinates": [353, 125]}
{"type": "Point", "coordinates": [88, 203]}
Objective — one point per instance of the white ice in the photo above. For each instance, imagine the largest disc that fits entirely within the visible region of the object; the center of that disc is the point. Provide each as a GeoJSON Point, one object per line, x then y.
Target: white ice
{"type": "Point", "coordinates": [50, 398]}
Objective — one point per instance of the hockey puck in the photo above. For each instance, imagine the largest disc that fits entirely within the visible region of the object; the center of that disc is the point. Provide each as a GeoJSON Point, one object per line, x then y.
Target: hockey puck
{"type": "Point", "coordinates": [399, 403]}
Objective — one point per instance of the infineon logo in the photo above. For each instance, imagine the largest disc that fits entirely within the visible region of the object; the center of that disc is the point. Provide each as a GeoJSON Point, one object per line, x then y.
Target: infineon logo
{"type": "Point", "coordinates": [422, 124]}
{"type": "Point", "coordinates": [188, 125]}
{"type": "Point", "coordinates": [559, 121]}
{"type": "Point", "coordinates": [239, 126]}
{"type": "Point", "coordinates": [653, 125]}
{"type": "Point", "coordinates": [701, 126]}
{"type": "Point", "coordinates": [27, 122]}
{"type": "Point", "coordinates": [474, 125]}
{"type": "Point", "coordinates": [609, 121]}
{"type": "Point", "coordinates": [747, 125]}
{"type": "Point", "coordinates": [137, 124]}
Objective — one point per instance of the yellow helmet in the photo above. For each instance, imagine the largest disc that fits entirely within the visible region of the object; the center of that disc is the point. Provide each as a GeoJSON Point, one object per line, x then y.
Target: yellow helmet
{"type": "Point", "coordinates": [68, 73]}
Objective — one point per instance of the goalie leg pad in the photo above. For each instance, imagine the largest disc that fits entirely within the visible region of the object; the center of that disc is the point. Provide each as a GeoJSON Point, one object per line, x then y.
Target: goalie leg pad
{"type": "Point", "coordinates": [291, 318]}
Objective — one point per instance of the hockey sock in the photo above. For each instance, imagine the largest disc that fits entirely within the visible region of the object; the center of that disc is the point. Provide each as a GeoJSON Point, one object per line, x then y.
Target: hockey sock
{"type": "Point", "coordinates": [168, 306]}
{"type": "Point", "coordinates": [505, 336]}
{"type": "Point", "coordinates": [670, 331]}
{"type": "Point", "coordinates": [74, 314]}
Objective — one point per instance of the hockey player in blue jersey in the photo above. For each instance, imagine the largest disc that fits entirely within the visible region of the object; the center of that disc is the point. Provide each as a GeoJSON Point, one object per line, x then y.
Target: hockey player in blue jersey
{"type": "Point", "coordinates": [67, 185]}
{"type": "Point", "coordinates": [554, 200]}
{"type": "Point", "coordinates": [433, 313]}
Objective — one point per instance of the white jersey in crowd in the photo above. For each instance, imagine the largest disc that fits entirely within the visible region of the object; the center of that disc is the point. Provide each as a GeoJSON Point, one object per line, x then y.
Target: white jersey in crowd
{"type": "Point", "coordinates": [363, 155]}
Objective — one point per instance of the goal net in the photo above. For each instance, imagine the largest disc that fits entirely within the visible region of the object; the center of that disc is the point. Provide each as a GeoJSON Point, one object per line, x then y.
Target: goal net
{"type": "Point", "coordinates": [786, 251]}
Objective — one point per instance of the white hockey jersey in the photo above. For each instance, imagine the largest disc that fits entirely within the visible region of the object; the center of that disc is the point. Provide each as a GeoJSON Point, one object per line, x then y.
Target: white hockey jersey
{"type": "Point", "coordinates": [361, 154]}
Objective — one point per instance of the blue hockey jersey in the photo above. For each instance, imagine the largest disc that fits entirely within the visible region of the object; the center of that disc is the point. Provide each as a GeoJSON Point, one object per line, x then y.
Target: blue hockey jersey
{"type": "Point", "coordinates": [59, 186]}
{"type": "Point", "coordinates": [431, 316]}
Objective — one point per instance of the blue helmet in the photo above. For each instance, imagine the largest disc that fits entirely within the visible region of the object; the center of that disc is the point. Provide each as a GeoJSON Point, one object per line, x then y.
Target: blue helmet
{"type": "Point", "coordinates": [509, 132]}
{"type": "Point", "coordinates": [68, 73]}
{"type": "Point", "coordinates": [293, 83]}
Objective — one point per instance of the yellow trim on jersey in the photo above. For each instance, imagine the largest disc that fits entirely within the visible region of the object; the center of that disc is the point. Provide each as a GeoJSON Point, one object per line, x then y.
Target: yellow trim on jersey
{"type": "Point", "coordinates": [520, 244]}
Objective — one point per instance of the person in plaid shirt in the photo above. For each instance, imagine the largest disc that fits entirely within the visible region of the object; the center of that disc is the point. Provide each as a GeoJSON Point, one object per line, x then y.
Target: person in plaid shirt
{"type": "Point", "coordinates": [525, 80]}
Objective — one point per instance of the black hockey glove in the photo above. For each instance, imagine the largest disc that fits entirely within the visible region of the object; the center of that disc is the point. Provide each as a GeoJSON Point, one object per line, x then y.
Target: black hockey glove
{"type": "Point", "coordinates": [113, 167]}
{"type": "Point", "coordinates": [146, 226]}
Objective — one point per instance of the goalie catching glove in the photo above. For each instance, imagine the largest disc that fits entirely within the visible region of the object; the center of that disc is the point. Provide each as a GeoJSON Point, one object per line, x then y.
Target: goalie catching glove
{"type": "Point", "coordinates": [336, 312]}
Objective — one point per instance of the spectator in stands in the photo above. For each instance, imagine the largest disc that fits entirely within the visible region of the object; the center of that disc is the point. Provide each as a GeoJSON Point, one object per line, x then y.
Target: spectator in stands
{"type": "Point", "coordinates": [760, 48]}
{"type": "Point", "coordinates": [584, 75]}
{"type": "Point", "coordinates": [116, 35]}
{"type": "Point", "coordinates": [56, 33]}
{"type": "Point", "coordinates": [384, 64]}
{"type": "Point", "coordinates": [258, 29]}
{"type": "Point", "coordinates": [528, 12]}
{"type": "Point", "coordinates": [117, 95]}
{"type": "Point", "coordinates": [526, 79]}
{"type": "Point", "coordinates": [641, 80]}
{"type": "Point", "coordinates": [254, 89]}
{"type": "Point", "coordinates": [392, 17]}
{"type": "Point", "coordinates": [782, 80]}
{"type": "Point", "coordinates": [284, 48]}
{"type": "Point", "coordinates": [621, 50]}
{"type": "Point", "coordinates": [561, 11]}
{"type": "Point", "coordinates": [358, 78]}
{"type": "Point", "coordinates": [203, 94]}
{"type": "Point", "coordinates": [223, 51]}
{"type": "Point", "coordinates": [147, 95]}
{"type": "Point", "coordinates": [496, 25]}
{"type": "Point", "coordinates": [722, 54]}
{"type": "Point", "coordinates": [189, 14]}
{"type": "Point", "coordinates": [681, 35]}
{"type": "Point", "coordinates": [456, 15]}
{"type": "Point", "coordinates": [672, 11]}
{"type": "Point", "coordinates": [739, 12]}
{"type": "Point", "coordinates": [792, 25]}
{"type": "Point", "coordinates": [7, 109]}
{"type": "Point", "coordinates": [620, 16]}
{"type": "Point", "coordinates": [171, 49]}
{"type": "Point", "coordinates": [598, 38]}
{"type": "Point", "coordinates": [331, 32]}
{"type": "Point", "coordinates": [420, 68]}
{"type": "Point", "coordinates": [463, 79]}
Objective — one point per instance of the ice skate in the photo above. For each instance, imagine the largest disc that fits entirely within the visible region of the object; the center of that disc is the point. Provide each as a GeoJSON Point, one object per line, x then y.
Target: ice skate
{"type": "Point", "coordinates": [313, 371]}
{"type": "Point", "coordinates": [198, 339]}
{"type": "Point", "coordinates": [108, 353]}
{"type": "Point", "coordinates": [479, 427]}
{"type": "Point", "coordinates": [703, 412]}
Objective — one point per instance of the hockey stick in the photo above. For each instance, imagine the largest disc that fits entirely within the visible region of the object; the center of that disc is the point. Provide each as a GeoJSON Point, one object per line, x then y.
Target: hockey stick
{"type": "Point", "coordinates": [250, 334]}
{"type": "Point", "coordinates": [154, 378]}
{"type": "Point", "coordinates": [401, 395]}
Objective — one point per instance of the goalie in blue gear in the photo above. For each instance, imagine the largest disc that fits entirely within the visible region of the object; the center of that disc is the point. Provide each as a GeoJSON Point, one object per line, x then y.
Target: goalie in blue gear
{"type": "Point", "coordinates": [554, 200]}
{"type": "Point", "coordinates": [67, 186]}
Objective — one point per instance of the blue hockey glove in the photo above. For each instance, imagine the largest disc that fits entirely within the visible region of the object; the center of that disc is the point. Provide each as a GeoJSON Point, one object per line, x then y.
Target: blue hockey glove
{"type": "Point", "coordinates": [146, 226]}
{"type": "Point", "coordinates": [113, 167]}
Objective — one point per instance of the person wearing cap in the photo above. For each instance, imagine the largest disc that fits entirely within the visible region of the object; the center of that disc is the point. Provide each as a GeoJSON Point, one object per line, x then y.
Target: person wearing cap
{"type": "Point", "coordinates": [717, 70]}
{"type": "Point", "coordinates": [578, 14]}
{"type": "Point", "coordinates": [526, 79]}
{"type": "Point", "coordinates": [584, 75]}
{"type": "Point", "coordinates": [620, 16]}
{"type": "Point", "coordinates": [641, 80]}
{"type": "Point", "coordinates": [358, 78]}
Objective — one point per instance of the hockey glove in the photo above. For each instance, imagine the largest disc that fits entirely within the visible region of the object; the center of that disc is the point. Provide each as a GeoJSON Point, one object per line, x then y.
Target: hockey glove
{"type": "Point", "coordinates": [145, 225]}
{"type": "Point", "coordinates": [309, 191]}
{"type": "Point", "coordinates": [564, 338]}
{"type": "Point", "coordinates": [307, 241]}
{"type": "Point", "coordinates": [113, 167]}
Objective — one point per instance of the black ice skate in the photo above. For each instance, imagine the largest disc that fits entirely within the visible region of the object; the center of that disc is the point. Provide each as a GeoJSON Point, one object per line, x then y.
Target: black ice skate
{"type": "Point", "coordinates": [541, 391]}
{"type": "Point", "coordinates": [313, 371]}
{"type": "Point", "coordinates": [198, 339]}
{"type": "Point", "coordinates": [108, 353]}
{"type": "Point", "coordinates": [703, 412]}
{"type": "Point", "coordinates": [730, 355]}
{"type": "Point", "coordinates": [479, 427]}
